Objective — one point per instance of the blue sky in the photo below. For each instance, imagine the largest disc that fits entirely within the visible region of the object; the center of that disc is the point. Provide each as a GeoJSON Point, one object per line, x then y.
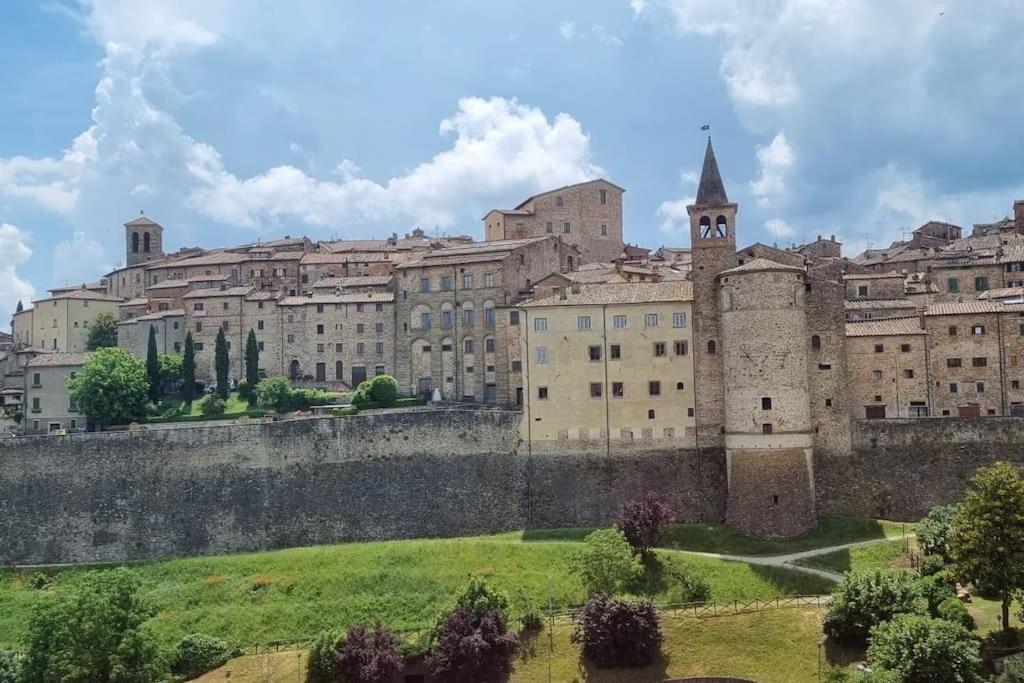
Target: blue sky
{"type": "Point", "coordinates": [230, 120]}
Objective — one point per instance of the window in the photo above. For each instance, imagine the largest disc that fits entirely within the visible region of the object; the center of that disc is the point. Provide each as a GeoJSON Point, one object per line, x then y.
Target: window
{"type": "Point", "coordinates": [766, 403]}
{"type": "Point", "coordinates": [766, 428]}
{"type": "Point", "coordinates": [542, 393]}
{"type": "Point", "coordinates": [566, 228]}
{"type": "Point", "coordinates": [319, 308]}
{"type": "Point", "coordinates": [1015, 384]}
{"type": "Point", "coordinates": [559, 201]}
{"type": "Point", "coordinates": [908, 374]}
{"type": "Point", "coordinates": [604, 230]}
{"type": "Point", "coordinates": [542, 354]}
{"type": "Point", "coordinates": [425, 320]}
{"type": "Point", "coordinates": [197, 306]}
{"type": "Point", "coordinates": [488, 279]}
{"type": "Point", "coordinates": [828, 403]}
{"type": "Point", "coordinates": [979, 387]}
{"type": "Point", "coordinates": [446, 319]}
{"type": "Point", "coordinates": [953, 363]}
{"type": "Point", "coordinates": [513, 317]}
{"type": "Point", "coordinates": [876, 374]}
{"type": "Point", "coordinates": [680, 386]}
{"type": "Point", "coordinates": [424, 284]}
{"type": "Point", "coordinates": [659, 349]}
{"type": "Point", "coordinates": [904, 348]}
{"type": "Point", "coordinates": [879, 348]}
{"type": "Point", "coordinates": [815, 343]}
{"type": "Point", "coordinates": [618, 390]}
{"type": "Point", "coordinates": [678, 319]}
{"type": "Point", "coordinates": [595, 390]}
{"type": "Point", "coordinates": [198, 346]}
{"type": "Point", "coordinates": [225, 305]}
{"type": "Point", "coordinates": [378, 328]}
{"type": "Point", "coordinates": [594, 352]}
{"type": "Point", "coordinates": [319, 329]}
{"type": "Point", "coordinates": [379, 348]}
{"type": "Point", "coordinates": [619, 322]}
{"type": "Point", "coordinates": [446, 283]}
{"type": "Point", "coordinates": [337, 348]}
{"type": "Point", "coordinates": [650, 414]}
{"type": "Point", "coordinates": [259, 346]}
{"type": "Point", "coordinates": [680, 348]}
{"type": "Point", "coordinates": [952, 387]}
{"type": "Point", "coordinates": [952, 285]}
{"type": "Point", "coordinates": [468, 317]}
{"type": "Point", "coordinates": [35, 404]}
{"type": "Point", "coordinates": [467, 281]}
{"type": "Point", "coordinates": [467, 345]}
{"type": "Point", "coordinates": [978, 330]}
{"type": "Point", "coordinates": [36, 380]}
{"type": "Point", "coordinates": [359, 308]}
{"type": "Point", "coordinates": [177, 347]}
{"type": "Point", "coordinates": [614, 352]}
{"type": "Point", "coordinates": [713, 348]}
{"type": "Point", "coordinates": [259, 324]}
{"type": "Point", "coordinates": [980, 283]}
{"type": "Point", "coordinates": [226, 325]}
{"type": "Point", "coordinates": [583, 322]}
{"type": "Point", "coordinates": [862, 290]}
{"type": "Point", "coordinates": [360, 349]}
{"type": "Point", "coordinates": [602, 196]}
{"type": "Point", "coordinates": [549, 227]}
{"type": "Point", "coordinates": [980, 362]}
{"type": "Point", "coordinates": [540, 324]}
{"type": "Point", "coordinates": [654, 388]}
{"type": "Point", "coordinates": [952, 330]}
{"type": "Point", "coordinates": [489, 345]}
{"type": "Point", "coordinates": [651, 320]}
{"type": "Point", "coordinates": [319, 348]}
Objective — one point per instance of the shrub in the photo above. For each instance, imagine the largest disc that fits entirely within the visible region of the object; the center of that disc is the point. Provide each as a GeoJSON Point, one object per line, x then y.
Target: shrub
{"type": "Point", "coordinates": [933, 531]}
{"type": "Point", "coordinates": [274, 393]}
{"type": "Point", "coordinates": [480, 599]}
{"type": "Point", "coordinates": [473, 648]}
{"type": "Point", "coordinates": [531, 622]}
{"type": "Point", "coordinates": [863, 600]}
{"type": "Point", "coordinates": [246, 391]}
{"type": "Point", "coordinates": [684, 584]}
{"type": "Point", "coordinates": [926, 650]}
{"type": "Point", "coordinates": [302, 399]}
{"type": "Point", "coordinates": [1013, 670]}
{"type": "Point", "coordinates": [9, 666]}
{"type": "Point", "coordinates": [617, 633]}
{"type": "Point", "coordinates": [212, 405]}
{"type": "Point", "coordinates": [952, 609]}
{"type": "Point", "coordinates": [936, 589]}
{"type": "Point", "coordinates": [605, 563]}
{"type": "Point", "coordinates": [640, 520]}
{"type": "Point", "coordinates": [932, 564]}
{"type": "Point", "coordinates": [37, 581]}
{"type": "Point", "coordinates": [196, 654]}
{"type": "Point", "coordinates": [368, 656]}
{"type": "Point", "coordinates": [381, 390]}
{"type": "Point", "coordinates": [320, 667]}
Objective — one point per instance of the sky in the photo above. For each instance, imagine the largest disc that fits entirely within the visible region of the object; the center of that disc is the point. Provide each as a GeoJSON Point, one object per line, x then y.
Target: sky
{"type": "Point", "coordinates": [229, 121]}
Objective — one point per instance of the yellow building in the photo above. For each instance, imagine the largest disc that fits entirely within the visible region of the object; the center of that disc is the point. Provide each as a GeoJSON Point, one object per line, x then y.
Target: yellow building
{"type": "Point", "coordinates": [61, 322]}
{"type": "Point", "coordinates": [609, 366]}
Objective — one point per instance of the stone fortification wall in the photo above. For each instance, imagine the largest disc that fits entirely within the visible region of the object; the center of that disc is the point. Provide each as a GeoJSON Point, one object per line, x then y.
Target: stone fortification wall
{"type": "Point", "coordinates": [898, 469]}
{"type": "Point", "coordinates": [242, 487]}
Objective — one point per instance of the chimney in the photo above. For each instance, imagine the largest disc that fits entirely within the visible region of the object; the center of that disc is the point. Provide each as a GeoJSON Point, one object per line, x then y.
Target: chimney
{"type": "Point", "coordinates": [1018, 215]}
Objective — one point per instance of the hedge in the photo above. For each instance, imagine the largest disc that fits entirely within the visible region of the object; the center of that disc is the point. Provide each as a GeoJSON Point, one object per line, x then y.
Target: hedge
{"type": "Point", "coordinates": [201, 418]}
{"type": "Point", "coordinates": [399, 403]}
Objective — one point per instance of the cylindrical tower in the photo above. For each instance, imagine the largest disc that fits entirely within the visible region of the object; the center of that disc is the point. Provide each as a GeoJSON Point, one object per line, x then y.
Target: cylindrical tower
{"type": "Point", "coordinates": [768, 426]}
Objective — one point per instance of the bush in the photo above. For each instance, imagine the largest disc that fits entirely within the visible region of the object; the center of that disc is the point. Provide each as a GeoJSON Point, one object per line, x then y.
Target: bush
{"type": "Point", "coordinates": [473, 648]}
{"type": "Point", "coordinates": [368, 656]}
{"type": "Point", "coordinates": [274, 393]}
{"type": "Point", "coordinates": [640, 520]}
{"type": "Point", "coordinates": [605, 563]}
{"type": "Point", "coordinates": [684, 585]}
{"type": "Point", "coordinates": [616, 633]}
{"type": "Point", "coordinates": [952, 609]}
{"type": "Point", "coordinates": [196, 654]}
{"type": "Point", "coordinates": [303, 399]}
{"type": "Point", "coordinates": [480, 599]}
{"type": "Point", "coordinates": [932, 564]}
{"type": "Point", "coordinates": [926, 650]}
{"type": "Point", "coordinates": [246, 391]}
{"type": "Point", "coordinates": [864, 600]}
{"type": "Point", "coordinates": [320, 667]}
{"type": "Point", "coordinates": [1013, 670]}
{"type": "Point", "coordinates": [202, 418]}
{"type": "Point", "coordinates": [381, 390]}
{"type": "Point", "coordinates": [933, 531]}
{"type": "Point", "coordinates": [9, 666]}
{"type": "Point", "coordinates": [212, 405]}
{"type": "Point", "coordinates": [936, 589]}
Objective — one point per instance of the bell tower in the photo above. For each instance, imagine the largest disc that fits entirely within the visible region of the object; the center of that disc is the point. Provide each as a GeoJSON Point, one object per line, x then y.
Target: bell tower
{"type": "Point", "coordinates": [144, 241]}
{"type": "Point", "coordinates": [713, 250]}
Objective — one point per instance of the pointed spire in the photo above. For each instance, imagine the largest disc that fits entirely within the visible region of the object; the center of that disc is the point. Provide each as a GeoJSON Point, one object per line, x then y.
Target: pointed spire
{"type": "Point", "coordinates": [711, 191]}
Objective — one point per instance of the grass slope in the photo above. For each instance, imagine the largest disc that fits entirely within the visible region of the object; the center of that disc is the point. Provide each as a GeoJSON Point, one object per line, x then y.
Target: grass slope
{"type": "Point", "coordinates": [299, 592]}
{"type": "Point", "coordinates": [890, 554]}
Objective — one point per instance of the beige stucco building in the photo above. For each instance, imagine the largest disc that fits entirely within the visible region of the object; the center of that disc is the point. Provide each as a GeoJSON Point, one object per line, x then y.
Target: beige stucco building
{"type": "Point", "coordinates": [61, 322]}
{"type": "Point", "coordinates": [47, 400]}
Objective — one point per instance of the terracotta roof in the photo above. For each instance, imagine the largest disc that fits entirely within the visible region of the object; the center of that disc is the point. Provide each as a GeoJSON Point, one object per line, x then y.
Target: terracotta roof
{"type": "Point", "coordinates": [260, 296]}
{"type": "Point", "coordinates": [158, 315]}
{"type": "Point", "coordinates": [1012, 254]}
{"type": "Point", "coordinates": [962, 307]}
{"type": "Point", "coordinates": [352, 297]}
{"type": "Point", "coordinates": [759, 265]}
{"type": "Point", "coordinates": [141, 220]}
{"type": "Point", "coordinates": [871, 304]}
{"type": "Point", "coordinates": [357, 281]}
{"type": "Point", "coordinates": [216, 258]}
{"type": "Point", "coordinates": [338, 246]}
{"type": "Point", "coordinates": [976, 242]}
{"type": "Point", "coordinates": [170, 284]}
{"type": "Point", "coordinates": [286, 256]}
{"type": "Point", "coordinates": [346, 257]}
{"type": "Point", "coordinates": [83, 294]}
{"type": "Point", "coordinates": [618, 293]}
{"type": "Point", "coordinates": [58, 360]}
{"type": "Point", "coordinates": [1002, 293]}
{"type": "Point", "coordinates": [140, 301]}
{"type": "Point", "coordinates": [874, 276]}
{"type": "Point", "coordinates": [212, 292]}
{"type": "Point", "coordinates": [212, 277]}
{"type": "Point", "coordinates": [564, 188]}
{"type": "Point", "coordinates": [884, 328]}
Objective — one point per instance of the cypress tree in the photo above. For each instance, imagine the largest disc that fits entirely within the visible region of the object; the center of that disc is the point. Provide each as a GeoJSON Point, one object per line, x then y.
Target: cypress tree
{"type": "Point", "coordinates": [252, 360]}
{"type": "Point", "coordinates": [153, 366]}
{"type": "Point", "coordinates": [221, 364]}
{"type": "Point", "coordinates": [188, 369]}
{"type": "Point", "coordinates": [20, 307]}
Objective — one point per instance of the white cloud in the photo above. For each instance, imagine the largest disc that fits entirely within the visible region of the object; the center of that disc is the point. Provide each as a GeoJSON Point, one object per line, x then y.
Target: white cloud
{"type": "Point", "coordinates": [604, 36]}
{"type": "Point", "coordinates": [79, 260]}
{"type": "Point", "coordinates": [776, 160]}
{"type": "Point", "coordinates": [14, 251]}
{"type": "Point", "coordinates": [777, 228]}
{"type": "Point", "coordinates": [675, 220]}
{"type": "Point", "coordinates": [568, 30]}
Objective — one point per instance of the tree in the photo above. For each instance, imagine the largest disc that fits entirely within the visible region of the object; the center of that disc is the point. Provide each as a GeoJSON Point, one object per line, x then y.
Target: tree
{"type": "Point", "coordinates": [20, 307]}
{"type": "Point", "coordinates": [368, 656]}
{"type": "Point", "coordinates": [381, 390]}
{"type": "Point", "coordinates": [188, 369]}
{"type": "Point", "coordinates": [605, 563]}
{"type": "Point", "coordinates": [986, 543]}
{"type": "Point", "coordinates": [252, 359]}
{"type": "Point", "coordinates": [153, 366]}
{"type": "Point", "coordinates": [471, 648]}
{"type": "Point", "coordinates": [274, 393]}
{"type": "Point", "coordinates": [93, 631]}
{"type": "Point", "coordinates": [171, 367]}
{"type": "Point", "coordinates": [933, 531]}
{"type": "Point", "coordinates": [617, 633]}
{"type": "Point", "coordinates": [640, 520]}
{"type": "Point", "coordinates": [10, 663]}
{"type": "Point", "coordinates": [221, 363]}
{"type": "Point", "coordinates": [320, 665]}
{"type": "Point", "coordinates": [102, 332]}
{"type": "Point", "coordinates": [213, 405]}
{"type": "Point", "coordinates": [111, 387]}
{"type": "Point", "coordinates": [865, 599]}
{"type": "Point", "coordinates": [196, 654]}
{"type": "Point", "coordinates": [926, 650]}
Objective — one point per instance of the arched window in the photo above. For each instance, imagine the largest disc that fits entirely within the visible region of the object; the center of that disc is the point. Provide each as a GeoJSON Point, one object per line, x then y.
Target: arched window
{"type": "Point", "coordinates": [721, 226]}
{"type": "Point", "coordinates": [145, 242]}
{"type": "Point", "coordinates": [712, 347]}
{"type": "Point", "coordinates": [420, 318]}
{"type": "Point", "coordinates": [294, 370]}
{"type": "Point", "coordinates": [705, 226]}
{"type": "Point", "coordinates": [135, 242]}
{"type": "Point", "coordinates": [815, 342]}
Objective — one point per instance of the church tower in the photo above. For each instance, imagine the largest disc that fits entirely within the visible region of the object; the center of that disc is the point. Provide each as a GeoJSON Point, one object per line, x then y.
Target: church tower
{"type": "Point", "coordinates": [713, 250]}
{"type": "Point", "coordinates": [144, 240]}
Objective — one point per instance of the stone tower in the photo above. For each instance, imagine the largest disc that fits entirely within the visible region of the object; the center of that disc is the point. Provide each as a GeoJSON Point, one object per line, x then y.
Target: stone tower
{"type": "Point", "coordinates": [769, 431]}
{"type": "Point", "coordinates": [144, 241]}
{"type": "Point", "coordinates": [713, 245]}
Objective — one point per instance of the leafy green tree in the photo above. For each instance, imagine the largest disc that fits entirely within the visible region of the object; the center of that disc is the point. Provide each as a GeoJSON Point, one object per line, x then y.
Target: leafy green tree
{"type": "Point", "coordinates": [605, 563]}
{"type": "Point", "coordinates": [153, 366]}
{"type": "Point", "coordinates": [111, 387]}
{"type": "Point", "coordinates": [188, 369]}
{"type": "Point", "coordinates": [196, 654]}
{"type": "Point", "coordinates": [252, 359]}
{"type": "Point", "coordinates": [221, 363]}
{"type": "Point", "coordinates": [213, 405]}
{"type": "Point", "coordinates": [171, 370]}
{"type": "Point", "coordinates": [102, 332]}
{"type": "Point", "coordinates": [933, 531]}
{"type": "Point", "coordinates": [10, 664]}
{"type": "Point", "coordinates": [865, 599]}
{"type": "Point", "coordinates": [274, 393]}
{"type": "Point", "coordinates": [986, 543]}
{"type": "Point", "coordinates": [92, 631]}
{"type": "Point", "coordinates": [926, 650]}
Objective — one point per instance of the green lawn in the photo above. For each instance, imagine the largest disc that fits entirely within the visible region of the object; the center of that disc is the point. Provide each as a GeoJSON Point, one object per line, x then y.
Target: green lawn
{"type": "Point", "coordinates": [298, 592]}
{"type": "Point", "coordinates": [889, 554]}
{"type": "Point", "coordinates": [717, 538]}
{"type": "Point", "coordinates": [175, 406]}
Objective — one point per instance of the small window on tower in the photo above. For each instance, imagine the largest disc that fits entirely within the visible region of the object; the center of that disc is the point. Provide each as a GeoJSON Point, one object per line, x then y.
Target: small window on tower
{"type": "Point", "coordinates": [766, 428]}
{"type": "Point", "coordinates": [766, 403]}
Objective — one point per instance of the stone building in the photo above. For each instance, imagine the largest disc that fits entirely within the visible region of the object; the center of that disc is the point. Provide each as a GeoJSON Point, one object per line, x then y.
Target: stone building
{"type": "Point", "coordinates": [609, 366]}
{"type": "Point", "coordinates": [133, 333]}
{"type": "Point", "coordinates": [587, 215]}
{"type": "Point", "coordinates": [888, 372]}
{"type": "Point", "coordinates": [47, 400]}
{"type": "Point", "coordinates": [144, 239]}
